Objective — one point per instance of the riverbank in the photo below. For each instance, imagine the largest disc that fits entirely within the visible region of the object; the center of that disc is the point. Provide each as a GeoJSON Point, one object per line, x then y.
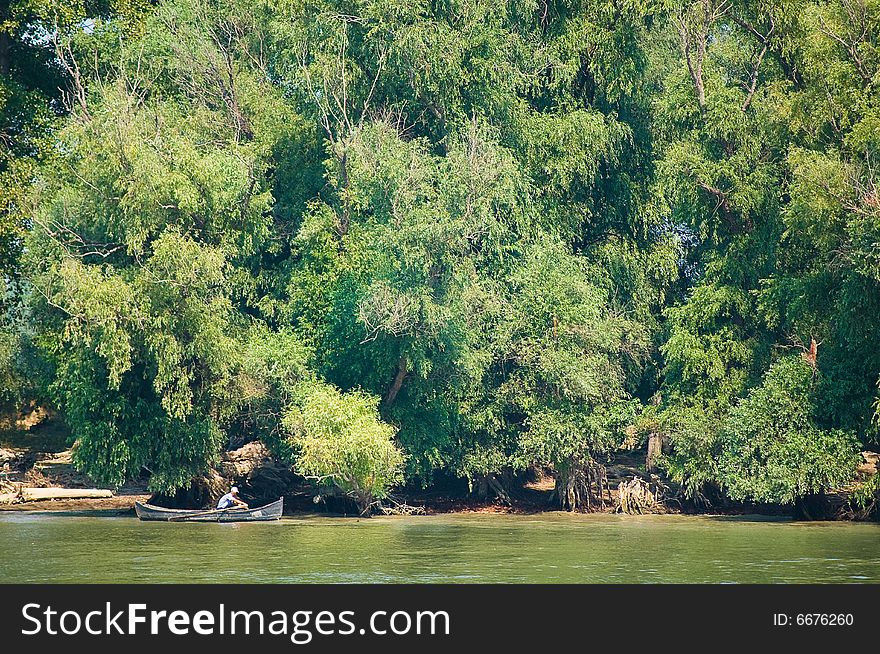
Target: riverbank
{"type": "Point", "coordinates": [299, 506]}
{"type": "Point", "coordinates": [532, 499]}
{"type": "Point", "coordinates": [39, 458]}
{"type": "Point", "coordinates": [48, 467]}
{"type": "Point", "coordinates": [116, 505]}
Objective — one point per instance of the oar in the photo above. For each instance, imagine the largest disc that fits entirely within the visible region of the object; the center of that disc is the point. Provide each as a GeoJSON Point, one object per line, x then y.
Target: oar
{"type": "Point", "coordinates": [181, 518]}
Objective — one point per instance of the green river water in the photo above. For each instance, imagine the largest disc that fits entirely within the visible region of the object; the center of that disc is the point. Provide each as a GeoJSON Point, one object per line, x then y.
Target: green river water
{"type": "Point", "coordinates": [552, 548]}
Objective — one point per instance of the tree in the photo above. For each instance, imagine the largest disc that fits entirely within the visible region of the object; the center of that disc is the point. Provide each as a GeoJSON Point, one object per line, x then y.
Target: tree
{"type": "Point", "coordinates": [39, 83]}
{"type": "Point", "coordinates": [765, 174]}
{"type": "Point", "coordinates": [773, 450]}
{"type": "Point", "coordinates": [563, 376]}
{"type": "Point", "coordinates": [136, 259]}
{"type": "Point", "coordinates": [340, 441]}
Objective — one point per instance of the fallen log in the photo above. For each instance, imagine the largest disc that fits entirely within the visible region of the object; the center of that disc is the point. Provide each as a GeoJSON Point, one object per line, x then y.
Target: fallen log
{"type": "Point", "coordinates": [34, 494]}
{"type": "Point", "coordinates": [9, 456]}
{"type": "Point", "coordinates": [8, 498]}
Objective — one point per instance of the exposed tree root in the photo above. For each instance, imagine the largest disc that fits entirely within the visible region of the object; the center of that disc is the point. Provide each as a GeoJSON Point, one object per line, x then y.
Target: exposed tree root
{"type": "Point", "coordinates": [582, 487]}
{"type": "Point", "coordinates": [482, 485]}
{"type": "Point", "coordinates": [636, 496]}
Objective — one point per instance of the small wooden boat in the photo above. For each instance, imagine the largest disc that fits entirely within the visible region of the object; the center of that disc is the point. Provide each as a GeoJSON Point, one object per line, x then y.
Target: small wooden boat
{"type": "Point", "coordinates": [268, 512]}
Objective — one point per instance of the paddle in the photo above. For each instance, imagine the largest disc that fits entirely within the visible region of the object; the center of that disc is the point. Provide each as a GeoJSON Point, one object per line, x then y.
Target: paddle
{"type": "Point", "coordinates": [181, 518]}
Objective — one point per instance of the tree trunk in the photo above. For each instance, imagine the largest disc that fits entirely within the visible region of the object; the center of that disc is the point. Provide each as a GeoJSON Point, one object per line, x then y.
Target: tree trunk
{"type": "Point", "coordinates": [655, 449]}
{"type": "Point", "coordinates": [364, 501]}
{"type": "Point", "coordinates": [4, 52]}
{"type": "Point", "coordinates": [397, 384]}
{"type": "Point", "coordinates": [343, 173]}
{"type": "Point", "coordinates": [4, 40]}
{"type": "Point", "coordinates": [485, 483]}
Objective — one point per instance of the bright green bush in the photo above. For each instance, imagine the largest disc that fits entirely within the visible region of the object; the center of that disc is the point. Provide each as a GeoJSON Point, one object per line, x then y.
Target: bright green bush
{"type": "Point", "coordinates": [341, 441]}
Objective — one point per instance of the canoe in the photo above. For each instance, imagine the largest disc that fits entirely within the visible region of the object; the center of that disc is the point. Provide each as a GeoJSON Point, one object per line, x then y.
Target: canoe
{"type": "Point", "coordinates": [268, 512]}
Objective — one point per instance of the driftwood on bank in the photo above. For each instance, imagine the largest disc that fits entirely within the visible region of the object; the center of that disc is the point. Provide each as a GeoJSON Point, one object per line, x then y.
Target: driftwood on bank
{"type": "Point", "coordinates": [8, 456]}
{"type": "Point", "coordinates": [399, 508]}
{"type": "Point", "coordinates": [34, 494]}
{"type": "Point", "coordinates": [870, 464]}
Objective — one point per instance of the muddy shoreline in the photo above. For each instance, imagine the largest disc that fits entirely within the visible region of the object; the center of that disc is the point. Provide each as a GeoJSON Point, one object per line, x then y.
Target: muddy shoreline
{"type": "Point", "coordinates": [123, 506]}
{"type": "Point", "coordinates": [263, 480]}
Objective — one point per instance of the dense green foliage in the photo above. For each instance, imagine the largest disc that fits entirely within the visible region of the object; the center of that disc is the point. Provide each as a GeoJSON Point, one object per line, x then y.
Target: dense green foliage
{"type": "Point", "coordinates": [392, 238]}
{"type": "Point", "coordinates": [770, 447]}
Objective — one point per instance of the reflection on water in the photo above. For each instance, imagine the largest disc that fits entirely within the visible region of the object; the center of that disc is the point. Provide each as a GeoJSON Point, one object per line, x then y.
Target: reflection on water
{"type": "Point", "coordinates": [552, 548]}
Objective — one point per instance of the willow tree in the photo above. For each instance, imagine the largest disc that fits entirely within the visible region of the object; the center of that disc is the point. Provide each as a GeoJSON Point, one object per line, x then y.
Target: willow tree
{"type": "Point", "coordinates": [562, 352]}
{"type": "Point", "coordinates": [133, 265]}
{"type": "Point", "coordinates": [40, 82]}
{"type": "Point", "coordinates": [508, 222]}
{"type": "Point", "coordinates": [454, 135]}
{"type": "Point", "coordinates": [826, 289]}
{"type": "Point", "coordinates": [766, 171]}
{"type": "Point", "coordinates": [772, 447]}
{"type": "Point", "coordinates": [152, 268]}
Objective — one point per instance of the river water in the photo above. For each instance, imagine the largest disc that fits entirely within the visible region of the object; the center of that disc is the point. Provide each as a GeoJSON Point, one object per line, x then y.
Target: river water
{"type": "Point", "coordinates": [552, 548]}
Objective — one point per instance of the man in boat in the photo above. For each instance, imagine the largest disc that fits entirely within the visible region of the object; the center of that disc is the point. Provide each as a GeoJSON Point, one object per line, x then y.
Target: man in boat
{"type": "Point", "coordinates": [231, 499]}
